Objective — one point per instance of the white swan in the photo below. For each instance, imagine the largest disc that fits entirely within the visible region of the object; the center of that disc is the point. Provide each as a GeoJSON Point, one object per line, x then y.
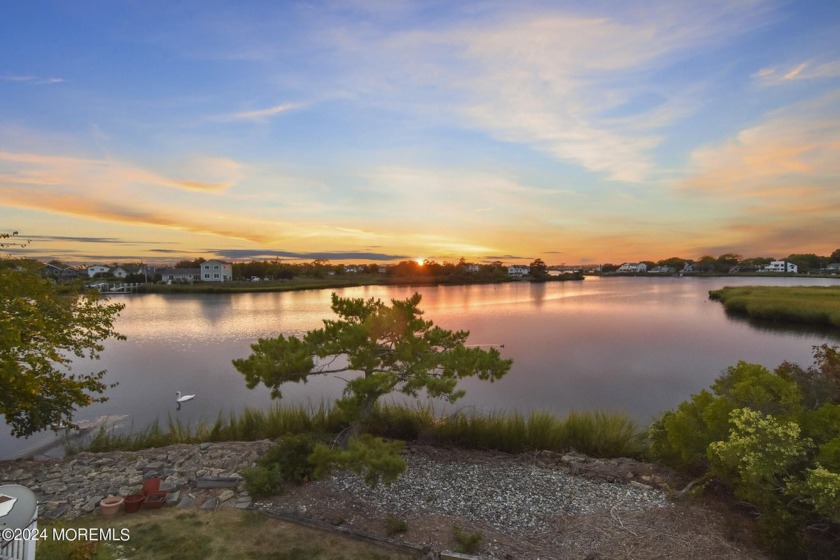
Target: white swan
{"type": "Point", "coordinates": [185, 398]}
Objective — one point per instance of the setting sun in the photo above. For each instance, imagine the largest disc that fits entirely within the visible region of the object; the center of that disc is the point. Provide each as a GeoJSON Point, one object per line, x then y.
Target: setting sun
{"type": "Point", "coordinates": [420, 261]}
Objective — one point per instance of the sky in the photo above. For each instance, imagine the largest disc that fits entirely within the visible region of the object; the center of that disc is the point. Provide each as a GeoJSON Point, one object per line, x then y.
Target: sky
{"type": "Point", "coordinates": [367, 130]}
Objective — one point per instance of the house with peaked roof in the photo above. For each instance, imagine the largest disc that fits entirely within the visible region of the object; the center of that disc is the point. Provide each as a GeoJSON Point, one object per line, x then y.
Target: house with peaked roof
{"type": "Point", "coordinates": [97, 269]}
{"type": "Point", "coordinates": [216, 271]}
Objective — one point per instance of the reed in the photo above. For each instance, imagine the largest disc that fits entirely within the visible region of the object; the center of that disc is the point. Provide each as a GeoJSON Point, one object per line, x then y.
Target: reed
{"type": "Point", "coordinates": [598, 434]}
{"type": "Point", "coordinates": [818, 305]}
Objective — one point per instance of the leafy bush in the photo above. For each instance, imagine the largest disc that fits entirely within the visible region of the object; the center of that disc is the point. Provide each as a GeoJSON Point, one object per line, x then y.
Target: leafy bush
{"type": "Point", "coordinates": [378, 459]}
{"type": "Point", "coordinates": [262, 481]}
{"type": "Point", "coordinates": [467, 542]}
{"type": "Point", "coordinates": [290, 456]}
{"type": "Point", "coordinates": [773, 438]}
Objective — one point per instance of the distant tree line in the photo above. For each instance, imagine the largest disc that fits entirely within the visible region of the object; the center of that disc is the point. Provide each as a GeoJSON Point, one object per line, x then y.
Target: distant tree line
{"type": "Point", "coordinates": [733, 262]}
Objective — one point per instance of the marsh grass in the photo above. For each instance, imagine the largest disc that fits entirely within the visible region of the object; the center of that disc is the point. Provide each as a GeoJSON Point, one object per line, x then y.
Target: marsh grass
{"type": "Point", "coordinates": [249, 425]}
{"type": "Point", "coordinates": [594, 433]}
{"type": "Point", "coordinates": [598, 434]}
{"type": "Point", "coordinates": [818, 305]}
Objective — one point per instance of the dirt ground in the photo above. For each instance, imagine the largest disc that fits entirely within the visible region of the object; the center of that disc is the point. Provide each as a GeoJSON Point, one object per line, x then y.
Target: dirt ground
{"type": "Point", "coordinates": [693, 528]}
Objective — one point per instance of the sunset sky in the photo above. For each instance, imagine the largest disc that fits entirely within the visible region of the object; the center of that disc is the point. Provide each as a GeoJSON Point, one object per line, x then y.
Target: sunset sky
{"type": "Point", "coordinates": [578, 132]}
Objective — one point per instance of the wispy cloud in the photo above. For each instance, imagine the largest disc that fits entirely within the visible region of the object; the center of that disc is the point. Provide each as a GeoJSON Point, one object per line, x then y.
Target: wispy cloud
{"type": "Point", "coordinates": [260, 115]}
{"type": "Point", "coordinates": [58, 170]}
{"type": "Point", "coordinates": [558, 81]}
{"type": "Point", "coordinates": [808, 70]}
{"type": "Point", "coordinates": [236, 254]}
{"type": "Point", "coordinates": [780, 175]}
{"type": "Point", "coordinates": [34, 80]}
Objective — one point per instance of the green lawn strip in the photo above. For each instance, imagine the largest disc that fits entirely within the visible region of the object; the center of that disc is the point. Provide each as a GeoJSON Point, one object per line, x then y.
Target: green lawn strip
{"type": "Point", "coordinates": [185, 535]}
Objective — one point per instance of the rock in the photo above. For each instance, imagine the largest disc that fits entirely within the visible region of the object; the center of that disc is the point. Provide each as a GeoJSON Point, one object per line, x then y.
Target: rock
{"type": "Point", "coordinates": [73, 486]}
{"type": "Point", "coordinates": [186, 502]}
{"type": "Point", "coordinates": [226, 495]}
{"type": "Point", "coordinates": [210, 504]}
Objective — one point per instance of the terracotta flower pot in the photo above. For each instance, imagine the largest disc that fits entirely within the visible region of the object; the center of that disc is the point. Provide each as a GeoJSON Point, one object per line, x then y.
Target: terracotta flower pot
{"type": "Point", "coordinates": [155, 500]}
{"type": "Point", "coordinates": [151, 485]}
{"type": "Point", "coordinates": [133, 502]}
{"type": "Point", "coordinates": [110, 505]}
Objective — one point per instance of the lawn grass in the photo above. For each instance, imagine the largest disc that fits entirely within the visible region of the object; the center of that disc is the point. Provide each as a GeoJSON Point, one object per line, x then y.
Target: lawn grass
{"type": "Point", "coordinates": [597, 434]}
{"type": "Point", "coordinates": [815, 305]}
{"type": "Point", "coordinates": [223, 533]}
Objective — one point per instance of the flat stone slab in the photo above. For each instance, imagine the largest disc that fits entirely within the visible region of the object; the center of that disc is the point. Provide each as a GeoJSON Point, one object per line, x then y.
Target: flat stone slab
{"type": "Point", "coordinates": [211, 503]}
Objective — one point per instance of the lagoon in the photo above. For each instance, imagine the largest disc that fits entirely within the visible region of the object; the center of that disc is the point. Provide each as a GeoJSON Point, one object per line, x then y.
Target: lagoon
{"type": "Point", "coordinates": [638, 345]}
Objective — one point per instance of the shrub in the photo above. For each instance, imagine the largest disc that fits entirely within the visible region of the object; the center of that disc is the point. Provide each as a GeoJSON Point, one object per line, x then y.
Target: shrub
{"type": "Point", "coordinates": [290, 457]}
{"type": "Point", "coordinates": [262, 481]}
{"type": "Point", "coordinates": [378, 459]}
{"type": "Point", "coordinates": [467, 542]}
{"type": "Point", "coordinates": [774, 440]}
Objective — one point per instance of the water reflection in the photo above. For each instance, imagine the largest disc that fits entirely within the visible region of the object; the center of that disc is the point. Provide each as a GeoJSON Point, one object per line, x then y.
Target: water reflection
{"type": "Point", "coordinates": [639, 345]}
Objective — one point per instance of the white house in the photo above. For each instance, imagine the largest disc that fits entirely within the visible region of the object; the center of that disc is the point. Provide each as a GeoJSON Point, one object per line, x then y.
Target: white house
{"type": "Point", "coordinates": [781, 266]}
{"type": "Point", "coordinates": [189, 275]}
{"type": "Point", "coordinates": [518, 270]}
{"type": "Point", "coordinates": [119, 272]}
{"type": "Point", "coordinates": [216, 271]}
{"type": "Point", "coordinates": [97, 269]}
{"type": "Point", "coordinates": [632, 267]}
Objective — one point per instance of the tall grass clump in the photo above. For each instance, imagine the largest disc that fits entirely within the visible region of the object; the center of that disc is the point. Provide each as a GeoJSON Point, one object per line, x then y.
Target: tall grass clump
{"type": "Point", "coordinates": [602, 435]}
{"type": "Point", "coordinates": [249, 425]}
{"type": "Point", "coordinates": [402, 420]}
{"type": "Point", "coordinates": [599, 434]}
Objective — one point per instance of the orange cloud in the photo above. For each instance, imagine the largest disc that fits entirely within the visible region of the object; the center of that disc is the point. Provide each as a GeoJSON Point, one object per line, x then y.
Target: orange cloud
{"type": "Point", "coordinates": [45, 169]}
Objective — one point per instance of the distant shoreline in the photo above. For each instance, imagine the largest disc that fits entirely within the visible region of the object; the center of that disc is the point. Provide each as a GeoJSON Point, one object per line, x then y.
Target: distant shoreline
{"type": "Point", "coordinates": [330, 283]}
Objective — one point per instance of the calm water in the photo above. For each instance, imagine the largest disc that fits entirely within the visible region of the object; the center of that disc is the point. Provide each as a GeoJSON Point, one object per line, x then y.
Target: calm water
{"type": "Point", "coordinates": [639, 345]}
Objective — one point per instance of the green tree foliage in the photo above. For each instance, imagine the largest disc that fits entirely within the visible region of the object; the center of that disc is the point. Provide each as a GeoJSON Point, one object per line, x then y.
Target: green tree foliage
{"type": "Point", "coordinates": [674, 262]}
{"type": "Point", "coordinates": [196, 263]}
{"type": "Point", "coordinates": [390, 348]}
{"type": "Point", "coordinates": [539, 271]}
{"type": "Point", "coordinates": [42, 329]}
{"type": "Point", "coordinates": [728, 260]}
{"type": "Point", "coordinates": [773, 438]}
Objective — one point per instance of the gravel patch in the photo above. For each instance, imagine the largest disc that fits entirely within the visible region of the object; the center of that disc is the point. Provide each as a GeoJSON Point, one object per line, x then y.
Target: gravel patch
{"type": "Point", "coordinates": [506, 495]}
{"type": "Point", "coordinates": [509, 497]}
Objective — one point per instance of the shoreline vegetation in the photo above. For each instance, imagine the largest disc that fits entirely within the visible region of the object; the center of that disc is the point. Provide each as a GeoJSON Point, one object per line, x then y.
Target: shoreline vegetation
{"type": "Point", "coordinates": [597, 434]}
{"type": "Point", "coordinates": [814, 305]}
{"type": "Point", "coordinates": [333, 282]}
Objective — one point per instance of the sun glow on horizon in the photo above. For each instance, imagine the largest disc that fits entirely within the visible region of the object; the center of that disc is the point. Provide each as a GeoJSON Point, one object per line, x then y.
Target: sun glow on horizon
{"type": "Point", "coordinates": [420, 261]}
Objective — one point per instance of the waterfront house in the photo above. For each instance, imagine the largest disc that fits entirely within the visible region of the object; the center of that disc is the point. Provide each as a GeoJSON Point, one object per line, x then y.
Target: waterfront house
{"type": "Point", "coordinates": [781, 266]}
{"type": "Point", "coordinates": [119, 272]}
{"type": "Point", "coordinates": [216, 271]}
{"type": "Point", "coordinates": [180, 275]}
{"type": "Point", "coordinates": [662, 269]}
{"type": "Point", "coordinates": [97, 269]}
{"type": "Point", "coordinates": [60, 272]}
{"type": "Point", "coordinates": [518, 271]}
{"type": "Point", "coordinates": [629, 268]}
